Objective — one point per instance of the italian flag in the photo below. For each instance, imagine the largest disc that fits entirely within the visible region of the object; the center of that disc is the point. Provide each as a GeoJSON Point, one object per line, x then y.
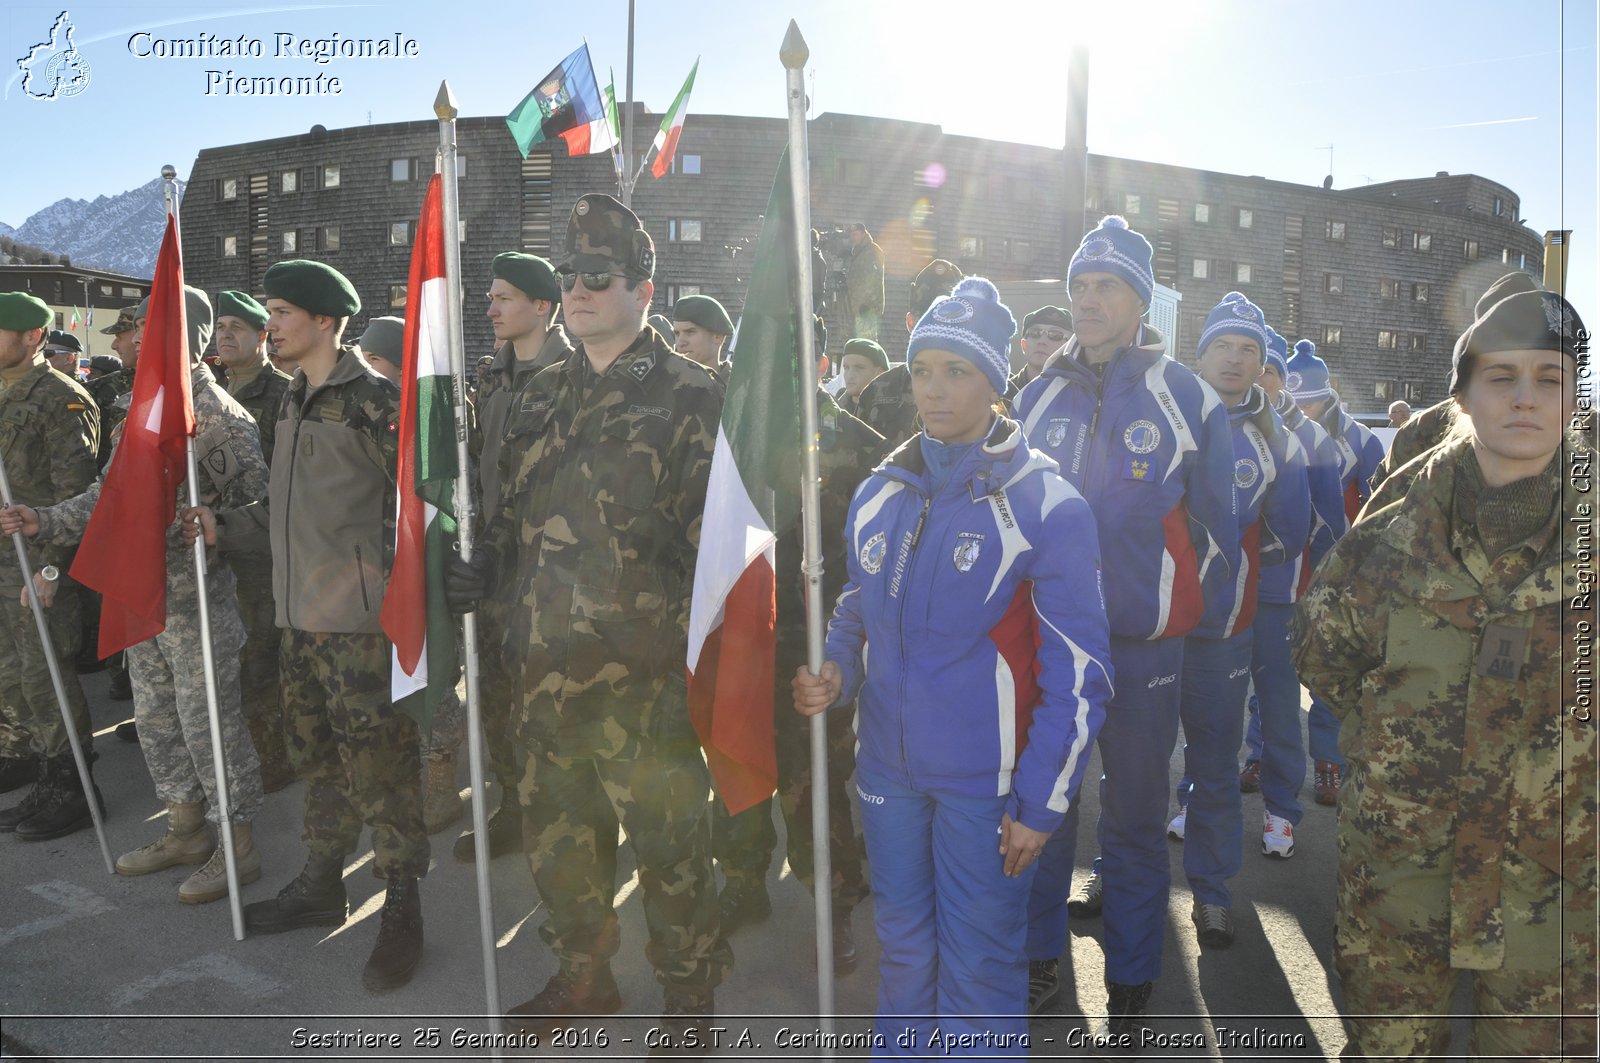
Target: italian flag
{"type": "Point", "coordinates": [752, 496]}
{"type": "Point", "coordinates": [599, 135]}
{"type": "Point", "coordinates": [672, 126]}
{"type": "Point", "coordinates": [415, 616]}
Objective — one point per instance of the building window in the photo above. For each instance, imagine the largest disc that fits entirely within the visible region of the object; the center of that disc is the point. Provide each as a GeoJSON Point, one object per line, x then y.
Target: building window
{"type": "Point", "coordinates": [461, 166]}
{"type": "Point", "coordinates": [1391, 236]}
{"type": "Point", "coordinates": [291, 240]}
{"type": "Point", "coordinates": [289, 181]}
{"type": "Point", "coordinates": [1383, 390]}
{"type": "Point", "coordinates": [328, 238]}
{"type": "Point", "coordinates": [1332, 335]}
{"type": "Point", "coordinates": [1247, 218]}
{"type": "Point", "coordinates": [1388, 289]}
{"type": "Point", "coordinates": [400, 234]}
{"type": "Point", "coordinates": [1335, 230]}
{"type": "Point", "coordinates": [1388, 340]}
{"type": "Point", "coordinates": [1422, 241]}
{"type": "Point", "coordinates": [1417, 343]}
{"type": "Point", "coordinates": [971, 247]}
{"type": "Point", "coordinates": [1202, 269]}
{"type": "Point", "coordinates": [330, 177]}
{"type": "Point", "coordinates": [1333, 283]}
{"type": "Point", "coordinates": [1469, 249]}
{"type": "Point", "coordinates": [1202, 213]}
{"type": "Point", "coordinates": [685, 230]}
{"type": "Point", "coordinates": [1242, 273]}
{"type": "Point", "coordinates": [1499, 206]}
{"type": "Point", "coordinates": [230, 247]}
{"type": "Point", "coordinates": [680, 291]}
{"type": "Point", "coordinates": [1419, 293]}
{"type": "Point", "coordinates": [397, 296]}
{"type": "Point", "coordinates": [689, 164]}
{"type": "Point", "coordinates": [1505, 256]}
{"type": "Point", "coordinates": [228, 188]}
{"type": "Point", "coordinates": [400, 169]}
{"type": "Point", "coordinates": [1131, 203]}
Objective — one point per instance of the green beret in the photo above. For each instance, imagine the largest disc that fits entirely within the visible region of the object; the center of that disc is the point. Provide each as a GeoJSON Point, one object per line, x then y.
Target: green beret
{"type": "Point", "coordinates": [241, 306]}
{"type": "Point", "coordinates": [529, 274]}
{"type": "Point", "coordinates": [20, 312]}
{"type": "Point", "coordinates": [386, 338]}
{"type": "Point", "coordinates": [704, 311]}
{"type": "Point", "coordinates": [867, 349]}
{"type": "Point", "coordinates": [314, 287]}
{"type": "Point", "coordinates": [1048, 315]}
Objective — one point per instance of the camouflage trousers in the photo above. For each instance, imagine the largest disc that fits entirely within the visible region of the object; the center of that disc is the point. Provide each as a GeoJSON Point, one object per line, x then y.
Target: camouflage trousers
{"type": "Point", "coordinates": [743, 844]}
{"type": "Point", "coordinates": [30, 716]}
{"type": "Point", "coordinates": [258, 662]}
{"type": "Point", "coordinates": [170, 706]}
{"type": "Point", "coordinates": [571, 808]}
{"type": "Point", "coordinates": [359, 756]}
{"type": "Point", "coordinates": [1391, 950]}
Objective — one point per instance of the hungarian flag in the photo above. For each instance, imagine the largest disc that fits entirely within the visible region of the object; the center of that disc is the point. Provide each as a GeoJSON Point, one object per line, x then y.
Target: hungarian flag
{"type": "Point", "coordinates": [124, 550]}
{"type": "Point", "coordinates": [672, 126]}
{"type": "Point", "coordinates": [566, 99]}
{"type": "Point", "coordinates": [76, 321]}
{"type": "Point", "coordinates": [754, 493]}
{"type": "Point", "coordinates": [415, 616]}
{"type": "Point", "coordinates": [599, 135]}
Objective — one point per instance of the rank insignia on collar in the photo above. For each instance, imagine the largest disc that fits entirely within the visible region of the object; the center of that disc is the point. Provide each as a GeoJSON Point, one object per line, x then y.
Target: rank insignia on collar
{"type": "Point", "coordinates": [641, 368]}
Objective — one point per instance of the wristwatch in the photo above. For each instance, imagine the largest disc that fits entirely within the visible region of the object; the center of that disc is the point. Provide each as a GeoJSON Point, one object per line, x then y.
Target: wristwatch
{"type": "Point", "coordinates": [50, 573]}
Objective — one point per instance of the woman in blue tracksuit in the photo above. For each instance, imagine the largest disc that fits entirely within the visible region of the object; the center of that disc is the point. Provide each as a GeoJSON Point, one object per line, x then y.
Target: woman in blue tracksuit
{"type": "Point", "coordinates": [973, 632]}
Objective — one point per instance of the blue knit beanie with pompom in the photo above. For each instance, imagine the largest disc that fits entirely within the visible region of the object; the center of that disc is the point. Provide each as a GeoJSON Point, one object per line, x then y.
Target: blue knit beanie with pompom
{"type": "Point", "coordinates": [972, 322]}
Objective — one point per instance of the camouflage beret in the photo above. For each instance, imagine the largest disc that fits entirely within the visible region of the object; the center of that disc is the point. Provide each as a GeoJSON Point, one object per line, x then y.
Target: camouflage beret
{"type": "Point", "coordinates": [867, 349]}
{"type": "Point", "coordinates": [66, 340]}
{"type": "Point", "coordinates": [937, 278]}
{"type": "Point", "coordinates": [123, 323]}
{"type": "Point", "coordinates": [314, 287]}
{"type": "Point", "coordinates": [533, 276]}
{"type": "Point", "coordinates": [385, 337]}
{"type": "Point", "coordinates": [704, 311]}
{"type": "Point", "coordinates": [1048, 315]}
{"type": "Point", "coordinates": [241, 306]}
{"type": "Point", "coordinates": [20, 312]}
{"type": "Point", "coordinates": [604, 236]}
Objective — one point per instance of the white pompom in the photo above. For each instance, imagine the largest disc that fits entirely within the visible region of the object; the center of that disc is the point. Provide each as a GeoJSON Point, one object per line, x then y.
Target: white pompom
{"type": "Point", "coordinates": [1113, 221]}
{"type": "Point", "coordinates": [979, 287]}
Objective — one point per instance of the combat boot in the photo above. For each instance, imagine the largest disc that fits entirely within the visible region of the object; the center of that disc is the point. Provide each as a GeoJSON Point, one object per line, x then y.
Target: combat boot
{"type": "Point", "coordinates": [16, 772]}
{"type": "Point", "coordinates": [578, 989]}
{"type": "Point", "coordinates": [64, 809]}
{"type": "Point", "coordinates": [185, 842]}
{"type": "Point", "coordinates": [505, 833]}
{"type": "Point", "coordinates": [685, 1027]}
{"type": "Point", "coordinates": [30, 800]}
{"type": "Point", "coordinates": [395, 957]}
{"type": "Point", "coordinates": [316, 897]}
{"type": "Point", "coordinates": [743, 901]}
{"type": "Point", "coordinates": [844, 942]}
{"type": "Point", "coordinates": [210, 883]}
{"type": "Point", "coordinates": [441, 798]}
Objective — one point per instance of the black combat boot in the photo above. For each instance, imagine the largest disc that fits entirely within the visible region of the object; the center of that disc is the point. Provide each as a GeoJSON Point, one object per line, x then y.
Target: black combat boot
{"type": "Point", "coordinates": [395, 957]}
{"type": "Point", "coordinates": [63, 809]}
{"type": "Point", "coordinates": [315, 898]}
{"type": "Point", "coordinates": [743, 901]}
{"type": "Point", "coordinates": [685, 1027]}
{"type": "Point", "coordinates": [16, 772]}
{"type": "Point", "coordinates": [844, 942]}
{"type": "Point", "coordinates": [30, 801]}
{"type": "Point", "coordinates": [586, 990]}
{"type": "Point", "coordinates": [505, 833]}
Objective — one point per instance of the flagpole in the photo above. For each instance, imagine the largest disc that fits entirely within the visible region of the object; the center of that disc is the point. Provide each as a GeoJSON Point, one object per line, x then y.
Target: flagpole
{"type": "Point", "coordinates": [444, 106]}
{"type": "Point", "coordinates": [224, 814]}
{"type": "Point", "coordinates": [55, 675]}
{"type": "Point", "coordinates": [627, 120]}
{"type": "Point", "coordinates": [794, 54]}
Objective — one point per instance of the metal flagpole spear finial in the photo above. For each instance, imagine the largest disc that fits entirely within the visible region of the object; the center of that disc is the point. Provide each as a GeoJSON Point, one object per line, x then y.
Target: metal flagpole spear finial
{"type": "Point", "coordinates": [55, 676]}
{"type": "Point", "coordinates": [794, 54]}
{"type": "Point", "coordinates": [213, 714]}
{"type": "Point", "coordinates": [444, 106]}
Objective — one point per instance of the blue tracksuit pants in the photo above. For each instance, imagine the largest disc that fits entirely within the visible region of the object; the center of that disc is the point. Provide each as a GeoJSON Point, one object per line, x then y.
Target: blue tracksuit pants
{"type": "Point", "coordinates": [1216, 681]}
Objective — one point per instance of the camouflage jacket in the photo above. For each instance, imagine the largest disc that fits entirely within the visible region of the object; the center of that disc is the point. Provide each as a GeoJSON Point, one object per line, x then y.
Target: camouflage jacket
{"type": "Point", "coordinates": [1426, 430]}
{"type": "Point", "coordinates": [603, 480]}
{"type": "Point", "coordinates": [48, 431]}
{"type": "Point", "coordinates": [330, 519]}
{"type": "Point", "coordinates": [864, 279]}
{"type": "Point", "coordinates": [1413, 636]}
{"type": "Point", "coordinates": [888, 405]}
{"type": "Point", "coordinates": [262, 397]}
{"type": "Point", "coordinates": [498, 388]}
{"type": "Point", "coordinates": [232, 473]}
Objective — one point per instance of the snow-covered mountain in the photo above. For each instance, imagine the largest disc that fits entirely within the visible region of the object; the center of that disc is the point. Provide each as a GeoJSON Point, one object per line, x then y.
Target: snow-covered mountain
{"type": "Point", "coordinates": [121, 233]}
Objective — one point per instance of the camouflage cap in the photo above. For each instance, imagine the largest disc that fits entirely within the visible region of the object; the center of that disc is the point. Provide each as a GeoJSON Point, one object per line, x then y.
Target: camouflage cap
{"type": "Point", "coordinates": [123, 323]}
{"type": "Point", "coordinates": [20, 312]}
{"type": "Point", "coordinates": [604, 236]}
{"type": "Point", "coordinates": [937, 278]}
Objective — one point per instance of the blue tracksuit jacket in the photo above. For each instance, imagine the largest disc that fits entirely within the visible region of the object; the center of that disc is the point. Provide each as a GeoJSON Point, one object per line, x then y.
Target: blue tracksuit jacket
{"type": "Point", "coordinates": [1284, 584]}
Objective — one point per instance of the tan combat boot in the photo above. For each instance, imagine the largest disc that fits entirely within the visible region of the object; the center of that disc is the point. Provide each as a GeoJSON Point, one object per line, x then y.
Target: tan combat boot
{"type": "Point", "coordinates": [210, 883]}
{"type": "Point", "coordinates": [186, 842]}
{"type": "Point", "coordinates": [441, 796]}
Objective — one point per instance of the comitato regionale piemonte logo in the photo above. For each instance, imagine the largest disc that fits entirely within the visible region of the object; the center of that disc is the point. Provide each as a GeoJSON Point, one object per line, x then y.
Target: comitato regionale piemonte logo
{"type": "Point", "coordinates": [54, 68]}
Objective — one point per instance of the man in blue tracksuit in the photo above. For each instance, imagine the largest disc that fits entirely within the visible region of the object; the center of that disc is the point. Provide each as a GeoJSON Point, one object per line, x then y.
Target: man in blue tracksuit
{"type": "Point", "coordinates": [1273, 505]}
{"type": "Point", "coordinates": [1360, 453]}
{"type": "Point", "coordinates": [1148, 445]}
{"type": "Point", "coordinates": [1276, 763]}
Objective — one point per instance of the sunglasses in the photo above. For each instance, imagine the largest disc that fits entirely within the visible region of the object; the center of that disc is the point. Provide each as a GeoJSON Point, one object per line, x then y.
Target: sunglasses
{"type": "Point", "coordinates": [1054, 335]}
{"type": "Point", "coordinates": [595, 282]}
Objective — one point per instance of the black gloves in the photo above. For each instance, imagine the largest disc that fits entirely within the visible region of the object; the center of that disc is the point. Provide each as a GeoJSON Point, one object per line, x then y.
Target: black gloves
{"type": "Point", "coordinates": [466, 582]}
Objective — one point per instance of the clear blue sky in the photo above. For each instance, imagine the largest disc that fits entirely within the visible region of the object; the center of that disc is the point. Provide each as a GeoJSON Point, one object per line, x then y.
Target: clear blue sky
{"type": "Point", "coordinates": [1400, 89]}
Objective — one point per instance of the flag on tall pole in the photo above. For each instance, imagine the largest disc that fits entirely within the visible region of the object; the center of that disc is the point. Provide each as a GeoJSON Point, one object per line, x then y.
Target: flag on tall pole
{"type": "Point", "coordinates": [415, 616]}
{"type": "Point", "coordinates": [600, 134]}
{"type": "Point", "coordinates": [753, 494]}
{"type": "Point", "coordinates": [565, 99]}
{"type": "Point", "coordinates": [76, 320]}
{"type": "Point", "coordinates": [666, 142]}
{"type": "Point", "coordinates": [124, 550]}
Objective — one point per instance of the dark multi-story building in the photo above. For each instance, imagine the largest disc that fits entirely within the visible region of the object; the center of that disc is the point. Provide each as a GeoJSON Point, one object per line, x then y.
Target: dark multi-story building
{"type": "Point", "coordinates": [95, 295]}
{"type": "Point", "coordinates": [1381, 277]}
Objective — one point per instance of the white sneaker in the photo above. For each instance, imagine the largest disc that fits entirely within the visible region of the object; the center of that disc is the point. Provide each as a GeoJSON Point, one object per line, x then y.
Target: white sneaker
{"type": "Point", "coordinates": [1277, 837]}
{"type": "Point", "coordinates": [1175, 828]}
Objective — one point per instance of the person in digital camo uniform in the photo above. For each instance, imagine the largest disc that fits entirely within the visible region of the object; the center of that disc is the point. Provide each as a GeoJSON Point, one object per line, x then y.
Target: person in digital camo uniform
{"type": "Point", "coordinates": [1439, 631]}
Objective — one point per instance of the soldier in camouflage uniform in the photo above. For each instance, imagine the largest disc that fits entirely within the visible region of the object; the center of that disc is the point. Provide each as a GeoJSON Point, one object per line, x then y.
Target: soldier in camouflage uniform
{"type": "Point", "coordinates": [848, 450]}
{"type": "Point", "coordinates": [168, 671]}
{"type": "Point", "coordinates": [886, 403]}
{"type": "Point", "coordinates": [48, 431]}
{"type": "Point", "coordinates": [1435, 629]}
{"type": "Point", "coordinates": [258, 387]}
{"type": "Point", "coordinates": [603, 477]}
{"type": "Point", "coordinates": [331, 499]}
{"type": "Point", "coordinates": [523, 295]}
